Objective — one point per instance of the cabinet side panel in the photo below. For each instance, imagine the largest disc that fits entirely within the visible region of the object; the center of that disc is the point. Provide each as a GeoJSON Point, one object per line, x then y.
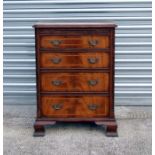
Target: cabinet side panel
{"type": "Point", "coordinates": [112, 71]}
{"type": "Point", "coordinates": [37, 72]}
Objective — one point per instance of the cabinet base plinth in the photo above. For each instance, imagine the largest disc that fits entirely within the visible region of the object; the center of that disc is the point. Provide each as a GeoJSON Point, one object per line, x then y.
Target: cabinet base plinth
{"type": "Point", "coordinates": [110, 126]}
{"type": "Point", "coordinates": [39, 127]}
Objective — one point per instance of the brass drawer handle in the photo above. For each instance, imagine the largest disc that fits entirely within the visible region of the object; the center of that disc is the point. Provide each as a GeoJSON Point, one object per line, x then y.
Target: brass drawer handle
{"type": "Point", "coordinates": [92, 82]}
{"type": "Point", "coordinates": [56, 42]}
{"type": "Point", "coordinates": [57, 106]}
{"type": "Point", "coordinates": [93, 42]}
{"type": "Point", "coordinates": [92, 106]}
{"type": "Point", "coordinates": [56, 60]}
{"type": "Point", "coordinates": [56, 82]}
{"type": "Point", "coordinates": [92, 60]}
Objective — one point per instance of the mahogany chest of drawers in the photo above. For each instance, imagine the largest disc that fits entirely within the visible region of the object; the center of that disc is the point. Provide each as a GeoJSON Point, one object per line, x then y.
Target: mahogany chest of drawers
{"type": "Point", "coordinates": [75, 74]}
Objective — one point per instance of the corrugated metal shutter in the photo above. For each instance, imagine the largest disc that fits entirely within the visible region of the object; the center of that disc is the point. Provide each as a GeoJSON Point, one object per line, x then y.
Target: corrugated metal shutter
{"type": "Point", "coordinates": [133, 44]}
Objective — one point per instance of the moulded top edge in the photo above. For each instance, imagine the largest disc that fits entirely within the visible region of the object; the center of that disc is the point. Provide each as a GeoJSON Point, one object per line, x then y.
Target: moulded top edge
{"type": "Point", "coordinates": [74, 25]}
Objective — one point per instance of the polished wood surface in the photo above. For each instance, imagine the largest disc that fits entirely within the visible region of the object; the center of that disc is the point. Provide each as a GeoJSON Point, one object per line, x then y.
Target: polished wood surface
{"type": "Point", "coordinates": [75, 74]}
{"type": "Point", "coordinates": [74, 82]}
{"type": "Point", "coordinates": [71, 25]}
{"type": "Point", "coordinates": [78, 106]}
{"type": "Point", "coordinates": [74, 60]}
{"type": "Point", "coordinates": [78, 41]}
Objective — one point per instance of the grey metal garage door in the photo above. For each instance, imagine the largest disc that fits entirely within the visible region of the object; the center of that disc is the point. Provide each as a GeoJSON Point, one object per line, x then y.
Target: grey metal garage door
{"type": "Point", "coordinates": [133, 44]}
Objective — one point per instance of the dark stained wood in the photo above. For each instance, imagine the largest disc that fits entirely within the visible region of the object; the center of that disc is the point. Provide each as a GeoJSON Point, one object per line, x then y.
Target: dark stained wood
{"type": "Point", "coordinates": [74, 70]}
{"type": "Point", "coordinates": [77, 119]}
{"type": "Point", "coordinates": [74, 43]}
{"type": "Point", "coordinates": [77, 106]}
{"type": "Point", "coordinates": [37, 57]}
{"type": "Point", "coordinates": [74, 60]}
{"type": "Point", "coordinates": [112, 72]}
{"type": "Point", "coordinates": [73, 32]}
{"type": "Point", "coordinates": [39, 129]}
{"type": "Point", "coordinates": [64, 93]}
{"type": "Point", "coordinates": [74, 82]}
{"type": "Point", "coordinates": [74, 25]}
{"type": "Point", "coordinates": [111, 128]}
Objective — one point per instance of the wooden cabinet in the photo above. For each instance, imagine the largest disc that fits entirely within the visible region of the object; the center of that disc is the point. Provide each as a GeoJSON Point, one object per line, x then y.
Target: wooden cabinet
{"type": "Point", "coordinates": [75, 74]}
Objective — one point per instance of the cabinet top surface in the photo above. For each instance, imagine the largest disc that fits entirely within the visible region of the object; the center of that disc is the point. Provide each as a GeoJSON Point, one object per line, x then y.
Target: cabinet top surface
{"type": "Point", "coordinates": [73, 25]}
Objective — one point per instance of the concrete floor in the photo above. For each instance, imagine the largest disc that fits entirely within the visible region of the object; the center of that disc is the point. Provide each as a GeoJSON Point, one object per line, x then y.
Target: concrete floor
{"type": "Point", "coordinates": [134, 129]}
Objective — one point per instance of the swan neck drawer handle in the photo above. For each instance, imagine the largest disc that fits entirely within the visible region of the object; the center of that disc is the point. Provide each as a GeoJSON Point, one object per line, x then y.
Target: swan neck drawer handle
{"type": "Point", "coordinates": [55, 42]}
{"type": "Point", "coordinates": [57, 82]}
{"type": "Point", "coordinates": [92, 82]}
{"type": "Point", "coordinates": [92, 60]}
{"type": "Point", "coordinates": [56, 60]}
{"type": "Point", "coordinates": [93, 42]}
{"type": "Point", "coordinates": [57, 106]}
{"type": "Point", "coordinates": [93, 106]}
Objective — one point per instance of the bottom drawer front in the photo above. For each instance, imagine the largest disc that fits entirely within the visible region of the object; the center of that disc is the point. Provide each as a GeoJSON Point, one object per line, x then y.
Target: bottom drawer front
{"type": "Point", "coordinates": [78, 106]}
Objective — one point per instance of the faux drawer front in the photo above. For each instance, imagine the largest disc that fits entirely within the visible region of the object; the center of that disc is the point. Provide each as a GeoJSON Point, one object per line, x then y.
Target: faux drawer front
{"type": "Point", "coordinates": [74, 60]}
{"type": "Point", "coordinates": [74, 82]}
{"type": "Point", "coordinates": [85, 106]}
{"type": "Point", "coordinates": [78, 41]}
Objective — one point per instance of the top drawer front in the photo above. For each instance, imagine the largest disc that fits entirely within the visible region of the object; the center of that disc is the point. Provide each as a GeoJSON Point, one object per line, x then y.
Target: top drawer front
{"type": "Point", "coordinates": [59, 39]}
{"type": "Point", "coordinates": [54, 42]}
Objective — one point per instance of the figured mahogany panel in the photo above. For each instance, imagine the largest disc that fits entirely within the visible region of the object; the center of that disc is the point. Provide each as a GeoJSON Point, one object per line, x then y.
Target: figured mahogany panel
{"type": "Point", "coordinates": [75, 74]}
{"type": "Point", "coordinates": [71, 41]}
{"type": "Point", "coordinates": [74, 60]}
{"type": "Point", "coordinates": [76, 106]}
{"type": "Point", "coordinates": [74, 81]}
